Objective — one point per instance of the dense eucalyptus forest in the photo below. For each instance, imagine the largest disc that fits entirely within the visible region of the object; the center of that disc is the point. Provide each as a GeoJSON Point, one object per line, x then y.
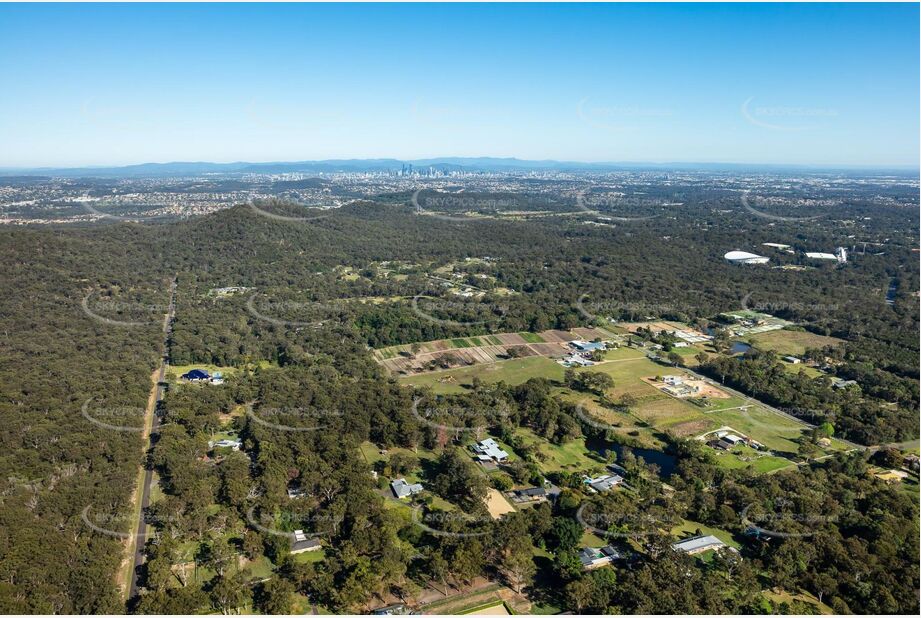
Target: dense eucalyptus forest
{"type": "Point", "coordinates": [82, 310]}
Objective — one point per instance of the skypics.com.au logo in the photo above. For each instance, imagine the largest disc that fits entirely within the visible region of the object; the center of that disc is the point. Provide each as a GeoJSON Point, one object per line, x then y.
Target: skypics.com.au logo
{"type": "Point", "coordinates": [290, 313]}
{"type": "Point", "coordinates": [114, 418]}
{"type": "Point", "coordinates": [451, 523]}
{"type": "Point", "coordinates": [438, 204]}
{"type": "Point", "coordinates": [612, 207]}
{"type": "Point", "coordinates": [122, 313]}
{"type": "Point", "coordinates": [457, 313]}
{"type": "Point", "coordinates": [293, 419]}
{"type": "Point", "coordinates": [458, 419]}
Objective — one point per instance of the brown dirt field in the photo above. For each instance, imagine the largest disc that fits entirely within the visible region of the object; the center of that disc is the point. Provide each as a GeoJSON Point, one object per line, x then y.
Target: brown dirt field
{"type": "Point", "coordinates": [556, 336]}
{"type": "Point", "coordinates": [523, 350]}
{"type": "Point", "coordinates": [497, 504]}
{"type": "Point", "coordinates": [511, 339]}
{"type": "Point", "coordinates": [495, 610]}
{"type": "Point", "coordinates": [587, 334]}
{"type": "Point", "coordinates": [692, 428]}
{"type": "Point", "coordinates": [690, 329]}
{"type": "Point", "coordinates": [440, 346]}
{"type": "Point", "coordinates": [482, 356]}
{"type": "Point", "coordinates": [549, 349]}
{"type": "Point", "coordinates": [466, 356]}
{"type": "Point", "coordinates": [708, 390]}
{"type": "Point", "coordinates": [654, 326]}
{"type": "Point", "coordinates": [396, 365]}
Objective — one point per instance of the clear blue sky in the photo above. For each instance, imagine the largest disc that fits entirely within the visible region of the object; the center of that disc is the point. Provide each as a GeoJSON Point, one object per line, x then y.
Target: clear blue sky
{"type": "Point", "coordinates": [792, 84]}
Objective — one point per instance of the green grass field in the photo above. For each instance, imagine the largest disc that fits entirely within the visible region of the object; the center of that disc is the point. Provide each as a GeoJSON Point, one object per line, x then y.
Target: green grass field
{"type": "Point", "coordinates": [653, 412]}
{"type": "Point", "coordinates": [790, 341]}
{"type": "Point", "coordinates": [532, 337]}
{"type": "Point", "coordinates": [622, 353]}
{"type": "Point", "coordinates": [573, 456]}
{"type": "Point", "coordinates": [761, 464]}
{"type": "Point", "coordinates": [782, 596]}
{"type": "Point", "coordinates": [812, 372]}
{"type": "Point", "coordinates": [174, 371]}
{"type": "Point", "coordinates": [512, 372]}
{"type": "Point", "coordinates": [774, 431]}
{"type": "Point", "coordinates": [310, 556]}
{"type": "Point", "coordinates": [627, 373]}
{"type": "Point", "coordinates": [663, 411]}
{"type": "Point", "coordinates": [689, 528]}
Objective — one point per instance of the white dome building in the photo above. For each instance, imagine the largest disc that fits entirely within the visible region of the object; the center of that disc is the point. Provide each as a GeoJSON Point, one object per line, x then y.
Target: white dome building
{"type": "Point", "coordinates": [744, 257]}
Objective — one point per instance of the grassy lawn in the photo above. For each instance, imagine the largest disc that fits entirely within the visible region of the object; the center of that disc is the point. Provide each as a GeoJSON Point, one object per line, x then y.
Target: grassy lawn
{"type": "Point", "coordinates": [622, 353]}
{"type": "Point", "coordinates": [792, 342]}
{"type": "Point", "coordinates": [572, 456]}
{"type": "Point", "coordinates": [532, 337]}
{"type": "Point", "coordinates": [589, 539]}
{"type": "Point", "coordinates": [689, 528]}
{"type": "Point", "coordinates": [156, 492]}
{"type": "Point", "coordinates": [627, 374]}
{"type": "Point", "coordinates": [174, 371]}
{"type": "Point", "coordinates": [261, 567]}
{"type": "Point", "coordinates": [812, 372]}
{"type": "Point", "coordinates": [761, 464]}
{"type": "Point", "coordinates": [663, 411]}
{"type": "Point", "coordinates": [372, 453]}
{"type": "Point", "coordinates": [774, 431]}
{"type": "Point", "coordinates": [688, 352]}
{"type": "Point", "coordinates": [511, 372]}
{"type": "Point", "coordinates": [782, 596]}
{"type": "Point", "coordinates": [622, 422]}
{"type": "Point", "coordinates": [310, 556]}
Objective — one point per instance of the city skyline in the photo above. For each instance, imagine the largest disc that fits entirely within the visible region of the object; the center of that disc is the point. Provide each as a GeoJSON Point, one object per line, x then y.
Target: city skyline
{"type": "Point", "coordinates": [816, 85]}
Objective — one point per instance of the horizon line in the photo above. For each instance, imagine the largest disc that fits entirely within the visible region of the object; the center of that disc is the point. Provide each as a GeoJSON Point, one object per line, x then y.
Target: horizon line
{"type": "Point", "coordinates": [853, 166]}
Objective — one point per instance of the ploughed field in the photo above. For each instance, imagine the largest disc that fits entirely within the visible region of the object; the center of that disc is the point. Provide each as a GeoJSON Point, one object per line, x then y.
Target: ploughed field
{"type": "Point", "coordinates": [444, 354]}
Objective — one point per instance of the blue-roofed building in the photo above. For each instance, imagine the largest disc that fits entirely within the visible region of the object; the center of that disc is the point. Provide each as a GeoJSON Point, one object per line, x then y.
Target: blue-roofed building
{"type": "Point", "coordinates": [196, 375]}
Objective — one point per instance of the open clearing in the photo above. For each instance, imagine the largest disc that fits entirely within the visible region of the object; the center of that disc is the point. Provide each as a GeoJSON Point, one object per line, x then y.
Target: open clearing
{"type": "Point", "coordinates": [497, 504]}
{"type": "Point", "coordinates": [651, 413]}
{"type": "Point", "coordinates": [773, 430]}
{"type": "Point", "coordinates": [704, 389]}
{"type": "Point", "coordinates": [412, 359]}
{"type": "Point", "coordinates": [493, 610]}
{"type": "Point", "coordinates": [794, 342]}
{"type": "Point", "coordinates": [573, 456]}
{"type": "Point", "coordinates": [511, 372]}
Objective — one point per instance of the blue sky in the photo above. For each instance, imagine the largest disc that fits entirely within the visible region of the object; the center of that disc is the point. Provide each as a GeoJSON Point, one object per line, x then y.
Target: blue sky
{"type": "Point", "coordinates": [786, 84]}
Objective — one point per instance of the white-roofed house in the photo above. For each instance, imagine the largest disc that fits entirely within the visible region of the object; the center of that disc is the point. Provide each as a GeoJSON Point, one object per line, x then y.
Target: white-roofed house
{"type": "Point", "coordinates": [698, 544]}
{"type": "Point", "coordinates": [489, 449]}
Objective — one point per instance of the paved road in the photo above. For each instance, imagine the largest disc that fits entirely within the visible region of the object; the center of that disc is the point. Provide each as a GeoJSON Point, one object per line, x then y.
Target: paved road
{"type": "Point", "coordinates": [141, 536]}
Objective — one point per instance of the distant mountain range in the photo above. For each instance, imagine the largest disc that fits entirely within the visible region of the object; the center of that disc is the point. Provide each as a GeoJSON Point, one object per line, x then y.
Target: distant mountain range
{"type": "Point", "coordinates": [473, 164]}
